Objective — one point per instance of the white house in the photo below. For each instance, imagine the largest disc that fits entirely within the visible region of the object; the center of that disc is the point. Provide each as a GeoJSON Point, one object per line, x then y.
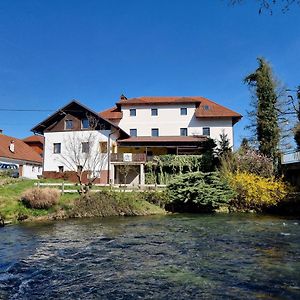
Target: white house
{"type": "Point", "coordinates": [15, 151]}
{"type": "Point", "coordinates": [130, 133]}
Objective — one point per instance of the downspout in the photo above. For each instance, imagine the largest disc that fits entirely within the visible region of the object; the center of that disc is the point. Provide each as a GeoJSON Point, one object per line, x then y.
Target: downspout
{"type": "Point", "coordinates": [108, 154]}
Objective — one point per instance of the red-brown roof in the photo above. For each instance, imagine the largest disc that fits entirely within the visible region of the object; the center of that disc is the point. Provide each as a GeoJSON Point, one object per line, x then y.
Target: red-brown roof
{"type": "Point", "coordinates": [112, 113]}
{"type": "Point", "coordinates": [147, 139]}
{"type": "Point", "coordinates": [34, 139]}
{"type": "Point", "coordinates": [205, 108]}
{"type": "Point", "coordinates": [22, 150]}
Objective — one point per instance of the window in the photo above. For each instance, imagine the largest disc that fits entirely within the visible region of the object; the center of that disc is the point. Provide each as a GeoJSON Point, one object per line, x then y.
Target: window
{"type": "Point", "coordinates": [103, 147]}
{"type": "Point", "coordinates": [132, 112]}
{"type": "Point", "coordinates": [85, 147]}
{"type": "Point", "coordinates": [85, 124]}
{"type": "Point", "coordinates": [79, 168]}
{"type": "Point", "coordinates": [56, 147]}
{"type": "Point", "coordinates": [60, 169]}
{"type": "Point", "coordinates": [154, 132]}
{"type": "Point", "coordinates": [154, 112]}
{"type": "Point", "coordinates": [183, 131]}
{"type": "Point", "coordinates": [206, 131]}
{"type": "Point", "coordinates": [69, 124]}
{"type": "Point", "coordinates": [133, 132]}
{"type": "Point", "coordinates": [183, 111]}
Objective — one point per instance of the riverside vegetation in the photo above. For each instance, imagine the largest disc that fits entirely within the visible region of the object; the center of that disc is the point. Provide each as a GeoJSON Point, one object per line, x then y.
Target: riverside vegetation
{"type": "Point", "coordinates": [240, 181]}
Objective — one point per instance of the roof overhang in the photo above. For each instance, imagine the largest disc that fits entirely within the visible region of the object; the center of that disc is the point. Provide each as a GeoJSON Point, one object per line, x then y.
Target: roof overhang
{"type": "Point", "coordinates": [164, 141]}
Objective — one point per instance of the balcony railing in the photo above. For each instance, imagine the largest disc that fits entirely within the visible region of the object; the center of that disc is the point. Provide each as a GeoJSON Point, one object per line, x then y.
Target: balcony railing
{"type": "Point", "coordinates": [290, 158]}
{"type": "Point", "coordinates": [128, 157]}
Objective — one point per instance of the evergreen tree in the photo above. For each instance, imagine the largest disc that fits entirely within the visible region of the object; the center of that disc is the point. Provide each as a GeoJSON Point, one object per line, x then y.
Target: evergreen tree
{"type": "Point", "coordinates": [266, 114]}
{"type": "Point", "coordinates": [297, 128]}
{"type": "Point", "coordinates": [223, 145]}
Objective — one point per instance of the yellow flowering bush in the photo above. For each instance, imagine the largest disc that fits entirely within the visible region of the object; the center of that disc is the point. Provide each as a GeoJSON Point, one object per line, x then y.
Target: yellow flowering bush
{"type": "Point", "coordinates": [256, 192]}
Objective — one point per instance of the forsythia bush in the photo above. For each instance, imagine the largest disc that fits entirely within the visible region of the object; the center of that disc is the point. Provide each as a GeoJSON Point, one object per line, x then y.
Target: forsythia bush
{"type": "Point", "coordinates": [256, 192]}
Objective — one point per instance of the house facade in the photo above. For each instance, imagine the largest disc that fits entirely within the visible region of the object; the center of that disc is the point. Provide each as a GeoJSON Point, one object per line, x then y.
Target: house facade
{"type": "Point", "coordinates": [130, 133]}
{"type": "Point", "coordinates": [16, 151]}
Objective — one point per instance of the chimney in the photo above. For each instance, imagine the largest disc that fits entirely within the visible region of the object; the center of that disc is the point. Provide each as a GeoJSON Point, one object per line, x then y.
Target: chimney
{"type": "Point", "coordinates": [123, 98]}
{"type": "Point", "coordinates": [12, 146]}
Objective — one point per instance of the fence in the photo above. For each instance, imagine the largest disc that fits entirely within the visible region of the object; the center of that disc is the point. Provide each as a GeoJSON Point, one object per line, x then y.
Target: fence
{"type": "Point", "coordinates": [64, 187]}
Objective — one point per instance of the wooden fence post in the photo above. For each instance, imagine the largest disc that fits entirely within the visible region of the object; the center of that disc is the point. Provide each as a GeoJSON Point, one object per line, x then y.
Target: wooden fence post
{"type": "Point", "coordinates": [63, 188]}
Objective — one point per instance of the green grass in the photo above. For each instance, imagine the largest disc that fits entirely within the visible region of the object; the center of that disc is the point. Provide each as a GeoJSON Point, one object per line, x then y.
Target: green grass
{"type": "Point", "coordinates": [133, 203]}
{"type": "Point", "coordinates": [10, 194]}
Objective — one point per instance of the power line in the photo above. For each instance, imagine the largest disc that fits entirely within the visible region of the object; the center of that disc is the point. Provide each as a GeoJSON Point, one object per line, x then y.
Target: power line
{"type": "Point", "coordinates": [25, 110]}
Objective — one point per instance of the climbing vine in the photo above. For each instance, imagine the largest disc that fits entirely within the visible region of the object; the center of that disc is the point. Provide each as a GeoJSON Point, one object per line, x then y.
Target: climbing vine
{"type": "Point", "coordinates": [163, 168]}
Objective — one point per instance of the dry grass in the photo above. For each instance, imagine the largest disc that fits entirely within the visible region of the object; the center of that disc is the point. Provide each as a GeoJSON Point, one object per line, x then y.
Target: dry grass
{"type": "Point", "coordinates": [40, 198]}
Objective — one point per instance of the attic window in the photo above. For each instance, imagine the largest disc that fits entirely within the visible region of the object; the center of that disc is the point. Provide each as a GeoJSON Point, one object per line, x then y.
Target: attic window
{"type": "Point", "coordinates": [85, 123]}
{"type": "Point", "coordinates": [69, 124]}
{"type": "Point", "coordinates": [206, 107]}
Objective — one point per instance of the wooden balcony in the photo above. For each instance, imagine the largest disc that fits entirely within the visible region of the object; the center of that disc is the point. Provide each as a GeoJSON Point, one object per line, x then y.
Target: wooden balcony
{"type": "Point", "coordinates": [128, 157]}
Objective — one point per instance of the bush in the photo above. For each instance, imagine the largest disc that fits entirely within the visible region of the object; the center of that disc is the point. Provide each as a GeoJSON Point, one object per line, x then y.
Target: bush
{"type": "Point", "coordinates": [199, 192]}
{"type": "Point", "coordinates": [157, 198]}
{"type": "Point", "coordinates": [40, 198]}
{"type": "Point", "coordinates": [255, 192]}
{"type": "Point", "coordinates": [247, 161]}
{"type": "Point", "coordinates": [110, 203]}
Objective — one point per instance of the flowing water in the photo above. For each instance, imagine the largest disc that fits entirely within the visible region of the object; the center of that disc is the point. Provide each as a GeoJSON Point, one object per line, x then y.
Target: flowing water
{"type": "Point", "coordinates": [165, 257]}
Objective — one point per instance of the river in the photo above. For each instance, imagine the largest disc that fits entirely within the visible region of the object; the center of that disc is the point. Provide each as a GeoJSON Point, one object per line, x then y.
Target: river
{"type": "Point", "coordinates": [158, 257]}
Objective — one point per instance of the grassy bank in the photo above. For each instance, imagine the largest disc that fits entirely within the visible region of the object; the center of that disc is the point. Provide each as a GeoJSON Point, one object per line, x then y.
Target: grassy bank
{"type": "Point", "coordinates": [72, 205]}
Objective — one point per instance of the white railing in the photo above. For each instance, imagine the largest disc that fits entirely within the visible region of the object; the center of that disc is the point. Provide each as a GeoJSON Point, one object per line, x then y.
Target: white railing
{"type": "Point", "coordinates": [64, 187]}
{"type": "Point", "coordinates": [290, 158]}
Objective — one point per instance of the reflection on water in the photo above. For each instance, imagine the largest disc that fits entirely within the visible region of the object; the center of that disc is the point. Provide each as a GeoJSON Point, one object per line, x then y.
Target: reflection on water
{"type": "Point", "coordinates": [167, 257]}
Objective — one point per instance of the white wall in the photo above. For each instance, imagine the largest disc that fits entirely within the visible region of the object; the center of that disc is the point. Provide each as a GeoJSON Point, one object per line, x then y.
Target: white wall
{"type": "Point", "coordinates": [31, 171]}
{"type": "Point", "coordinates": [169, 121]}
{"type": "Point", "coordinates": [69, 141]}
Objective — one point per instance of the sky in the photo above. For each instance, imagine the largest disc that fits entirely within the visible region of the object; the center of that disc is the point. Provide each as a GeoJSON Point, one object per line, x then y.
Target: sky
{"type": "Point", "coordinates": [54, 51]}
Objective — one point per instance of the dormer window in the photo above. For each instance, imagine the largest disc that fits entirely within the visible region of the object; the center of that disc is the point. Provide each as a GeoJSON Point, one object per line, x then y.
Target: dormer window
{"type": "Point", "coordinates": [85, 123]}
{"type": "Point", "coordinates": [68, 124]}
{"type": "Point", "coordinates": [132, 112]}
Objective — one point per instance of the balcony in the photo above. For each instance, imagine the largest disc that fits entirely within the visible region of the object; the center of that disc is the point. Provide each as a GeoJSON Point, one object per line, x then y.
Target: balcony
{"type": "Point", "coordinates": [290, 158]}
{"type": "Point", "coordinates": [128, 157]}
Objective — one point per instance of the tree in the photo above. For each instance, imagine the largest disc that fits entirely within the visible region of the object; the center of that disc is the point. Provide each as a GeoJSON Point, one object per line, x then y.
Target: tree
{"type": "Point", "coordinates": [268, 5]}
{"type": "Point", "coordinates": [297, 127]}
{"type": "Point", "coordinates": [84, 155]}
{"type": "Point", "coordinates": [223, 145]}
{"type": "Point", "coordinates": [265, 113]}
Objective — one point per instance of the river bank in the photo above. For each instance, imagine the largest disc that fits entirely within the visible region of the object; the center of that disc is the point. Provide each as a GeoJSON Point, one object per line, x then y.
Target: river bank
{"type": "Point", "coordinates": [106, 203]}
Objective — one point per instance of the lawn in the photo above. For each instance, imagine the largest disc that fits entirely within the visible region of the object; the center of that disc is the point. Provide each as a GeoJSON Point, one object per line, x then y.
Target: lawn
{"type": "Point", "coordinates": [10, 194]}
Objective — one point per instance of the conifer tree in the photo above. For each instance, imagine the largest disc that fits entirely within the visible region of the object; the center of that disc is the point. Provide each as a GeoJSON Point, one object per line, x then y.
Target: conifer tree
{"type": "Point", "coordinates": [265, 114]}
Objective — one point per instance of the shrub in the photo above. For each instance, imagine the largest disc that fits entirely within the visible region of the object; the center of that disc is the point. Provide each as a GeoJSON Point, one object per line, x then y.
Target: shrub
{"type": "Point", "coordinates": [255, 192]}
{"type": "Point", "coordinates": [40, 198]}
{"type": "Point", "coordinates": [247, 161]}
{"type": "Point", "coordinates": [110, 203]}
{"type": "Point", "coordinates": [199, 191]}
{"type": "Point", "coordinates": [157, 198]}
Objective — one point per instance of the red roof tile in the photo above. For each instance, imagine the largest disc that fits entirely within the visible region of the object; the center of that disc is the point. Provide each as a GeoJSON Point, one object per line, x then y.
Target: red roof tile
{"type": "Point", "coordinates": [22, 150]}
{"type": "Point", "coordinates": [205, 108]}
{"type": "Point", "coordinates": [147, 139]}
{"type": "Point", "coordinates": [34, 139]}
{"type": "Point", "coordinates": [111, 113]}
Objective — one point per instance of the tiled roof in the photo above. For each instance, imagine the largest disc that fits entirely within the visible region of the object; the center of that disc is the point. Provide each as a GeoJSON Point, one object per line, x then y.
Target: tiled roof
{"type": "Point", "coordinates": [148, 139]}
{"type": "Point", "coordinates": [205, 108]}
{"type": "Point", "coordinates": [22, 150]}
{"type": "Point", "coordinates": [111, 113]}
{"type": "Point", "coordinates": [34, 139]}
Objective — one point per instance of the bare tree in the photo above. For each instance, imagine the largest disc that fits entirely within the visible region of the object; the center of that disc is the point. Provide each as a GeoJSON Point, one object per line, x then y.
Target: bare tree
{"type": "Point", "coordinates": [84, 155]}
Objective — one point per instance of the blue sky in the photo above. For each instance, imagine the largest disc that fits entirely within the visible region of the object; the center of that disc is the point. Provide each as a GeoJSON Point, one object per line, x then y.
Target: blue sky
{"type": "Point", "coordinates": [93, 51]}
